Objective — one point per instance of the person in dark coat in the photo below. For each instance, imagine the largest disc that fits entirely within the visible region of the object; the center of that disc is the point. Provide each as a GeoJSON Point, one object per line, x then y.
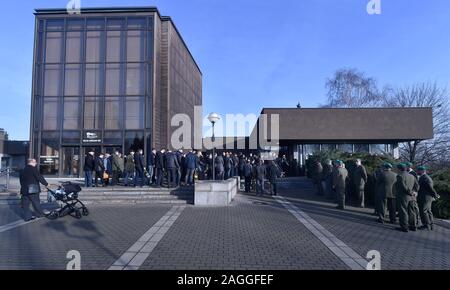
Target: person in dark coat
{"type": "Point", "coordinates": [130, 169]}
{"type": "Point", "coordinates": [139, 166]}
{"type": "Point", "coordinates": [260, 174]}
{"type": "Point", "coordinates": [99, 169]}
{"type": "Point", "coordinates": [241, 165]}
{"type": "Point", "coordinates": [426, 195]}
{"type": "Point", "coordinates": [248, 173]}
{"type": "Point", "coordinates": [151, 166]}
{"type": "Point", "coordinates": [227, 165]}
{"type": "Point", "coordinates": [89, 165]}
{"type": "Point", "coordinates": [219, 166]}
{"type": "Point", "coordinates": [30, 178]}
{"type": "Point", "coordinates": [273, 172]}
{"type": "Point", "coordinates": [107, 162]}
{"type": "Point", "coordinates": [191, 164]}
{"type": "Point", "coordinates": [159, 167]}
{"type": "Point", "coordinates": [179, 156]}
{"type": "Point", "coordinates": [171, 166]}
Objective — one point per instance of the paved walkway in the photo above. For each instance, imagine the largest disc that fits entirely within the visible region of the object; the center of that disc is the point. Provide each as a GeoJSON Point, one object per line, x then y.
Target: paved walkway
{"type": "Point", "coordinates": [297, 230]}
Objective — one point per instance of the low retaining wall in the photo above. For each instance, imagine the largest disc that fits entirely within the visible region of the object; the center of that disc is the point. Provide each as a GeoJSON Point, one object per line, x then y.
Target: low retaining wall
{"type": "Point", "coordinates": [215, 193]}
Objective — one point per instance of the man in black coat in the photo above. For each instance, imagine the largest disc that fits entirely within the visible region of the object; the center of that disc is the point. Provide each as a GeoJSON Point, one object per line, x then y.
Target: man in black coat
{"type": "Point", "coordinates": [151, 165]}
{"type": "Point", "coordinates": [89, 165]}
{"type": "Point", "coordinates": [139, 165]}
{"type": "Point", "coordinates": [219, 165]}
{"type": "Point", "coordinates": [30, 178]}
{"type": "Point", "coordinates": [159, 167]}
{"type": "Point", "coordinates": [248, 171]}
{"type": "Point", "coordinates": [99, 168]}
{"type": "Point", "coordinates": [172, 166]}
{"type": "Point", "coordinates": [227, 165]}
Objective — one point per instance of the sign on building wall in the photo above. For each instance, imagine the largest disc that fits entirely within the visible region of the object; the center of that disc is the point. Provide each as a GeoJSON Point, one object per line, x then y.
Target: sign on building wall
{"type": "Point", "coordinates": [92, 137]}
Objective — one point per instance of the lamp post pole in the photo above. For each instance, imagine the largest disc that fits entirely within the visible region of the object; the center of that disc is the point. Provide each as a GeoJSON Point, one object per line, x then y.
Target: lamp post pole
{"type": "Point", "coordinates": [214, 153]}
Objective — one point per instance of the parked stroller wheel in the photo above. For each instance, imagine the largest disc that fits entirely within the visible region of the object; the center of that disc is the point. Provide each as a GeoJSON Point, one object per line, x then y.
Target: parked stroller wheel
{"type": "Point", "coordinates": [85, 211]}
{"type": "Point", "coordinates": [78, 214]}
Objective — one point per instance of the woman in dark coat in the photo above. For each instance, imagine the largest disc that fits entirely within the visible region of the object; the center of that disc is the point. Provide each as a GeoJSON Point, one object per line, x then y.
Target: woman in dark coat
{"type": "Point", "coordinates": [30, 178]}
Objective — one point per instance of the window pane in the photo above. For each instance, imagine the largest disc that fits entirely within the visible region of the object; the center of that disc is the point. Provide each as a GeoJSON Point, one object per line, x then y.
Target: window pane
{"type": "Point", "coordinates": [53, 48]}
{"type": "Point", "coordinates": [95, 24]}
{"type": "Point", "coordinates": [94, 47]}
{"type": "Point", "coordinates": [133, 141]}
{"type": "Point", "coordinates": [55, 24]}
{"type": "Point", "coordinates": [113, 137]}
{"type": "Point", "coordinates": [49, 157]}
{"type": "Point", "coordinates": [92, 112]}
{"type": "Point", "coordinates": [74, 46]}
{"type": "Point", "coordinates": [72, 84]}
{"type": "Point", "coordinates": [378, 149]}
{"type": "Point", "coordinates": [113, 113]}
{"type": "Point", "coordinates": [93, 81]}
{"type": "Point", "coordinates": [75, 24]}
{"type": "Point", "coordinates": [71, 113]}
{"type": "Point", "coordinates": [310, 149]}
{"type": "Point", "coordinates": [345, 148]}
{"type": "Point", "coordinates": [115, 23]}
{"type": "Point", "coordinates": [328, 147]}
{"type": "Point", "coordinates": [52, 80]}
{"type": "Point", "coordinates": [136, 46]}
{"type": "Point", "coordinates": [114, 46]}
{"type": "Point", "coordinates": [50, 116]}
{"type": "Point", "coordinates": [113, 79]}
{"type": "Point", "coordinates": [134, 113]}
{"type": "Point", "coordinates": [362, 148]}
{"type": "Point", "coordinates": [71, 137]}
{"type": "Point", "coordinates": [137, 23]}
{"type": "Point", "coordinates": [135, 79]}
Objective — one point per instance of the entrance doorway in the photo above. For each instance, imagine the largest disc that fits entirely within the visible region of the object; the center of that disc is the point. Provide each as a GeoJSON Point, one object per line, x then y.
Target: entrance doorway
{"type": "Point", "coordinates": [71, 161]}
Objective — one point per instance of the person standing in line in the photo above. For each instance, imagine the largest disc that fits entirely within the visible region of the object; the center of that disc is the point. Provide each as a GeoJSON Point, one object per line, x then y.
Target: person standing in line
{"type": "Point", "coordinates": [191, 164]}
{"type": "Point", "coordinates": [260, 174]}
{"type": "Point", "coordinates": [171, 166]}
{"type": "Point", "coordinates": [227, 165]}
{"type": "Point", "coordinates": [410, 170]}
{"type": "Point", "coordinates": [108, 169]}
{"type": "Point", "coordinates": [99, 170]}
{"type": "Point", "coordinates": [327, 173]}
{"type": "Point", "coordinates": [116, 171]}
{"type": "Point", "coordinates": [139, 166]}
{"type": "Point", "coordinates": [179, 155]}
{"type": "Point", "coordinates": [30, 180]}
{"type": "Point", "coordinates": [386, 194]}
{"type": "Point", "coordinates": [159, 166]}
{"type": "Point", "coordinates": [273, 172]}
{"type": "Point", "coordinates": [219, 167]}
{"type": "Point", "coordinates": [359, 180]}
{"type": "Point", "coordinates": [427, 194]}
{"type": "Point", "coordinates": [89, 165]}
{"type": "Point", "coordinates": [317, 176]}
{"type": "Point", "coordinates": [248, 171]}
{"type": "Point", "coordinates": [151, 166]}
{"type": "Point", "coordinates": [339, 183]}
{"type": "Point", "coordinates": [130, 169]}
{"type": "Point", "coordinates": [407, 187]}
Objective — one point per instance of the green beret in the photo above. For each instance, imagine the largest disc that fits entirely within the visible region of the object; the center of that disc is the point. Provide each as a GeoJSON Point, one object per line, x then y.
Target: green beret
{"type": "Point", "coordinates": [409, 164]}
{"type": "Point", "coordinates": [401, 166]}
{"type": "Point", "coordinates": [422, 168]}
{"type": "Point", "coordinates": [387, 165]}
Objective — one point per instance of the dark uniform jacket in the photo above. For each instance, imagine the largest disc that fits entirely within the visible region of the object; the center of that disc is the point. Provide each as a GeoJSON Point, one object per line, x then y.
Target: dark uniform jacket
{"type": "Point", "coordinates": [273, 172]}
{"type": "Point", "coordinates": [260, 172]}
{"type": "Point", "coordinates": [406, 184]}
{"type": "Point", "coordinates": [360, 176]}
{"type": "Point", "coordinates": [219, 163]}
{"type": "Point", "coordinates": [129, 163]}
{"type": "Point", "coordinates": [89, 163]}
{"type": "Point", "coordinates": [171, 161]}
{"type": "Point", "coordinates": [340, 177]}
{"type": "Point", "coordinates": [99, 165]}
{"type": "Point", "coordinates": [159, 160]}
{"type": "Point", "coordinates": [139, 162]}
{"type": "Point", "coordinates": [426, 186]}
{"type": "Point", "coordinates": [327, 171]}
{"type": "Point", "coordinates": [116, 163]}
{"type": "Point", "coordinates": [30, 175]}
{"type": "Point", "coordinates": [191, 161]}
{"type": "Point", "coordinates": [227, 162]}
{"type": "Point", "coordinates": [248, 170]}
{"type": "Point", "coordinates": [151, 159]}
{"type": "Point", "coordinates": [386, 182]}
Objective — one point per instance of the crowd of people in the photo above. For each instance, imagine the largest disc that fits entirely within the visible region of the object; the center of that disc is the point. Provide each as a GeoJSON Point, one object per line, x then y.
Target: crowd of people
{"type": "Point", "coordinates": [407, 194]}
{"type": "Point", "coordinates": [178, 168]}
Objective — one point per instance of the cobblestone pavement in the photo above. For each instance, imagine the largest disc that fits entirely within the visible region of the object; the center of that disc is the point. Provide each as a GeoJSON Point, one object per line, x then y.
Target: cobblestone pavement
{"type": "Point", "coordinates": [253, 233]}
{"type": "Point", "coordinates": [358, 229]}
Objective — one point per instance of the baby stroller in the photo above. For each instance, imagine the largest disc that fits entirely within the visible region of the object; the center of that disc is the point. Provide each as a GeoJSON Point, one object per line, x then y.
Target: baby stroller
{"type": "Point", "coordinates": [67, 196]}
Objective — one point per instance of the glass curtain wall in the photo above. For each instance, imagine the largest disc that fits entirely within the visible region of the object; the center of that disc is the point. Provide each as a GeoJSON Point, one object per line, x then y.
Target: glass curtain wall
{"type": "Point", "coordinates": [92, 74]}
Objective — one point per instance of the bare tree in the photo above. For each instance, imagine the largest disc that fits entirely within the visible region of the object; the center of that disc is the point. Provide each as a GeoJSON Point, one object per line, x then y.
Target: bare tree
{"type": "Point", "coordinates": [350, 88]}
{"type": "Point", "coordinates": [425, 95]}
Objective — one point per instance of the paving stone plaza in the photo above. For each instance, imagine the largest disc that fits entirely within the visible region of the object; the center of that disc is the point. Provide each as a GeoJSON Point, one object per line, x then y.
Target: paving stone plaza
{"type": "Point", "coordinates": [294, 231]}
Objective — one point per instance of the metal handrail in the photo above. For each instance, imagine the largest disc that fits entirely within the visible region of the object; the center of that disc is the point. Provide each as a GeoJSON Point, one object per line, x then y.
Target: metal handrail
{"type": "Point", "coordinates": [6, 172]}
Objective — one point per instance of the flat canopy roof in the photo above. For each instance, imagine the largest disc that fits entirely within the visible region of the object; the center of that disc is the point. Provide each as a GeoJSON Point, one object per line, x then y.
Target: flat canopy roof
{"type": "Point", "coordinates": [359, 124]}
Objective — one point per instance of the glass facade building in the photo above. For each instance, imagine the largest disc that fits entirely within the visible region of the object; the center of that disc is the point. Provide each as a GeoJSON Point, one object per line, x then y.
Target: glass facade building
{"type": "Point", "coordinates": [100, 79]}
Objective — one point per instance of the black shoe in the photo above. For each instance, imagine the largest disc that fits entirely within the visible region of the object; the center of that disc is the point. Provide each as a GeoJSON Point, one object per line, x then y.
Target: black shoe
{"type": "Point", "coordinates": [402, 230]}
{"type": "Point", "coordinates": [380, 221]}
{"type": "Point", "coordinates": [392, 222]}
{"type": "Point", "coordinates": [414, 229]}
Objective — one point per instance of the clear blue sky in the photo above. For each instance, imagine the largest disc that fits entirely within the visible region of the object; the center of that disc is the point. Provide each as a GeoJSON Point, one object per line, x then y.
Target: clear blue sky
{"type": "Point", "coordinates": [260, 53]}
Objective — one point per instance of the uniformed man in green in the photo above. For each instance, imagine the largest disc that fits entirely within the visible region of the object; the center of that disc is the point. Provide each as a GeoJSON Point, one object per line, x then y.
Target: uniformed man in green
{"type": "Point", "coordinates": [359, 180]}
{"type": "Point", "coordinates": [339, 181]}
{"type": "Point", "coordinates": [317, 176]}
{"type": "Point", "coordinates": [427, 194]}
{"type": "Point", "coordinates": [410, 170]}
{"type": "Point", "coordinates": [406, 191]}
{"type": "Point", "coordinates": [385, 184]}
{"type": "Point", "coordinates": [327, 178]}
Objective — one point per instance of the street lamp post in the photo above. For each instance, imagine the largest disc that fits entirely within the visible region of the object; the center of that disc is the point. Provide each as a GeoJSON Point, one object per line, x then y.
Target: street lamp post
{"type": "Point", "coordinates": [213, 118]}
